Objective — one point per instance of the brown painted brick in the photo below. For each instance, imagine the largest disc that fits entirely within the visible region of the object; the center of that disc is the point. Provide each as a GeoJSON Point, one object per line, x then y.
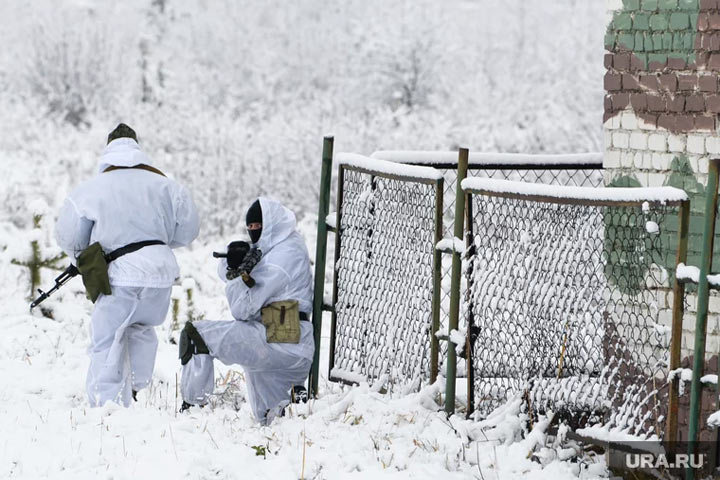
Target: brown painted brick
{"type": "Point", "coordinates": [636, 64]}
{"type": "Point", "coordinates": [702, 58]}
{"type": "Point", "coordinates": [609, 60]}
{"type": "Point", "coordinates": [676, 123]}
{"type": "Point", "coordinates": [715, 43]}
{"type": "Point", "coordinates": [687, 82]}
{"type": "Point", "coordinates": [657, 66]}
{"type": "Point", "coordinates": [656, 103]}
{"type": "Point", "coordinates": [676, 104]}
{"type": "Point", "coordinates": [704, 122]}
{"type": "Point", "coordinates": [639, 101]}
{"type": "Point", "coordinates": [714, 21]}
{"type": "Point", "coordinates": [703, 22]}
{"type": "Point", "coordinates": [708, 5]}
{"type": "Point", "coordinates": [620, 100]}
{"type": "Point", "coordinates": [622, 61]}
{"type": "Point", "coordinates": [650, 119]}
{"type": "Point", "coordinates": [608, 115]}
{"type": "Point", "coordinates": [650, 82]}
{"type": "Point", "coordinates": [668, 81]}
{"type": "Point", "coordinates": [674, 63]}
{"type": "Point", "coordinates": [695, 103]}
{"type": "Point", "coordinates": [608, 104]}
{"type": "Point", "coordinates": [629, 82]}
{"type": "Point", "coordinates": [712, 103]}
{"type": "Point", "coordinates": [612, 82]}
{"type": "Point", "coordinates": [703, 41]}
{"type": "Point", "coordinates": [708, 83]}
{"type": "Point", "coordinates": [714, 63]}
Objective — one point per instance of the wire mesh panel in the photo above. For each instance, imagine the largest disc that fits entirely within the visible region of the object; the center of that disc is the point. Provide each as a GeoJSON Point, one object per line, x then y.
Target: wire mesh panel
{"type": "Point", "coordinates": [566, 304]}
{"type": "Point", "coordinates": [385, 278]}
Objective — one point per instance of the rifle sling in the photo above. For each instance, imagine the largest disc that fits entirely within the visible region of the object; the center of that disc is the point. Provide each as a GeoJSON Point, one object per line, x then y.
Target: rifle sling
{"type": "Point", "coordinates": [141, 166]}
{"type": "Point", "coordinates": [132, 247]}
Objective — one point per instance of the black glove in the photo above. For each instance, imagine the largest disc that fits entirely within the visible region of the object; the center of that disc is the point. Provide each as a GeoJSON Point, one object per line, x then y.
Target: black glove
{"type": "Point", "coordinates": [236, 252]}
{"type": "Point", "coordinates": [252, 258]}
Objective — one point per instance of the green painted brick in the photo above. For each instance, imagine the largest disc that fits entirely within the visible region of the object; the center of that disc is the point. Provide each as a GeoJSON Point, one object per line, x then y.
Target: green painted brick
{"type": "Point", "coordinates": [622, 21]}
{"type": "Point", "coordinates": [657, 41]}
{"type": "Point", "coordinates": [649, 5]}
{"type": "Point", "coordinates": [693, 21]}
{"type": "Point", "coordinates": [626, 40]}
{"type": "Point", "coordinates": [610, 39]}
{"type": "Point", "coordinates": [679, 21]}
{"type": "Point", "coordinates": [688, 41]}
{"type": "Point", "coordinates": [677, 41]}
{"type": "Point", "coordinates": [667, 41]}
{"type": "Point", "coordinates": [640, 42]}
{"type": "Point", "coordinates": [631, 4]}
{"type": "Point", "coordinates": [668, 4]}
{"type": "Point", "coordinates": [688, 4]}
{"type": "Point", "coordinates": [641, 21]}
{"type": "Point", "coordinates": [659, 22]}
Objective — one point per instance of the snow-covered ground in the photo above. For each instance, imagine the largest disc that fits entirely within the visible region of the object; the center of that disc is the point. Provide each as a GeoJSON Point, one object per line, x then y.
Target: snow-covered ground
{"type": "Point", "coordinates": [50, 432]}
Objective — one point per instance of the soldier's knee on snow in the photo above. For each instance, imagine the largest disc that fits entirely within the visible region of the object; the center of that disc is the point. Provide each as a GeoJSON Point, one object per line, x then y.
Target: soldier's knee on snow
{"type": "Point", "coordinates": [191, 343]}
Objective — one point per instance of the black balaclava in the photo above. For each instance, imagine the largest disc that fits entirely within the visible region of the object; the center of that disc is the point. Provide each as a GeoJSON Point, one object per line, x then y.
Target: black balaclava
{"type": "Point", "coordinates": [254, 215]}
{"type": "Point", "coordinates": [122, 131]}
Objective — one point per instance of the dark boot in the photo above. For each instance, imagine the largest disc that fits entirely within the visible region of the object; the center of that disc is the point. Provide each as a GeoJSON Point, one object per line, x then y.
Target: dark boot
{"type": "Point", "coordinates": [298, 394]}
{"type": "Point", "coordinates": [185, 406]}
{"type": "Point", "coordinates": [134, 395]}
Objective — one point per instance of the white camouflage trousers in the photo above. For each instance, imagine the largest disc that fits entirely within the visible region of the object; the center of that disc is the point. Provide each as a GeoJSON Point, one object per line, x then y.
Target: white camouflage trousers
{"type": "Point", "coordinates": [123, 343]}
{"type": "Point", "coordinates": [271, 370]}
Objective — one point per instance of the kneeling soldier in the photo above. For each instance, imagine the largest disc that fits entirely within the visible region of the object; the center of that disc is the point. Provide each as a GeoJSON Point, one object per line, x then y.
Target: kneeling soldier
{"type": "Point", "coordinates": [269, 290]}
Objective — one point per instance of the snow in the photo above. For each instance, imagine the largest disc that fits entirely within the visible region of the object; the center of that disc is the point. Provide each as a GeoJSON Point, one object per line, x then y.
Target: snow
{"type": "Point", "coordinates": [331, 220]}
{"type": "Point", "coordinates": [388, 168]}
{"type": "Point", "coordinates": [713, 280]}
{"type": "Point", "coordinates": [714, 419]}
{"type": "Point", "coordinates": [640, 194]}
{"type": "Point", "coordinates": [652, 227]}
{"type": "Point", "coordinates": [487, 159]}
{"type": "Point", "coordinates": [712, 379]}
{"type": "Point", "coordinates": [688, 272]}
{"type": "Point", "coordinates": [451, 245]}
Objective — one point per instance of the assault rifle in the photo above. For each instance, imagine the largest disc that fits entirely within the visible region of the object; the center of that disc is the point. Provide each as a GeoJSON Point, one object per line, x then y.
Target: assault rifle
{"type": "Point", "coordinates": [61, 280]}
{"type": "Point", "coordinates": [251, 258]}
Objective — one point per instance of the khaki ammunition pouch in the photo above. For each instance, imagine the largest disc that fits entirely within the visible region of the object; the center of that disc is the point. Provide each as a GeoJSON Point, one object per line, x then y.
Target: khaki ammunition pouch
{"type": "Point", "coordinates": [92, 263]}
{"type": "Point", "coordinates": [93, 267]}
{"type": "Point", "coordinates": [282, 321]}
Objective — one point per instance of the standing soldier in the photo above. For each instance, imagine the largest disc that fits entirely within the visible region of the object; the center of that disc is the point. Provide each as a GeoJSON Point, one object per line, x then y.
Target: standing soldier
{"type": "Point", "coordinates": [119, 228]}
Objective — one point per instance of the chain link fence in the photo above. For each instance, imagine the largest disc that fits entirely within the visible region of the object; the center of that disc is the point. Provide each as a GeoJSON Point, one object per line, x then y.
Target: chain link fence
{"type": "Point", "coordinates": [567, 305]}
{"type": "Point", "coordinates": [385, 279]}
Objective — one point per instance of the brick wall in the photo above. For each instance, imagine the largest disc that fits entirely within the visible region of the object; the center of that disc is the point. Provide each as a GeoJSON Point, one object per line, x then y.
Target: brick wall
{"type": "Point", "coordinates": [661, 119]}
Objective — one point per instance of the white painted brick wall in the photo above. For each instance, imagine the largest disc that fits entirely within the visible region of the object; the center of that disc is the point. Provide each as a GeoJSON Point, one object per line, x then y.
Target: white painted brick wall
{"type": "Point", "coordinates": [658, 142]}
{"type": "Point", "coordinates": [712, 145]}
{"type": "Point", "coordinates": [696, 144]}
{"type": "Point", "coordinates": [676, 143]}
{"type": "Point", "coordinates": [621, 140]}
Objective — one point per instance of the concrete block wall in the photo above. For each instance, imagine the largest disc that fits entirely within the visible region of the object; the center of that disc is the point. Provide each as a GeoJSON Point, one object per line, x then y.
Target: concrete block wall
{"type": "Point", "coordinates": [661, 112]}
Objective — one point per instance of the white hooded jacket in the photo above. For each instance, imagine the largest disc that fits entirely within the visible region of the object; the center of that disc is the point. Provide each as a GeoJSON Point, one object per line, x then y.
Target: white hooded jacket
{"type": "Point", "coordinates": [120, 207]}
{"type": "Point", "coordinates": [283, 273]}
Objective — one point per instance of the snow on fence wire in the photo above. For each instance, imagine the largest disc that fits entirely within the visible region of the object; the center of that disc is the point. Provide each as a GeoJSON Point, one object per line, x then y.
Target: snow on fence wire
{"type": "Point", "coordinates": [563, 296]}
{"type": "Point", "coordinates": [582, 169]}
{"type": "Point", "coordinates": [387, 278]}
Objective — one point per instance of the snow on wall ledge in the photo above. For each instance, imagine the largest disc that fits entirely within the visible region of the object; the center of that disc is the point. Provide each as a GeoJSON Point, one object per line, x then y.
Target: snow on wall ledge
{"type": "Point", "coordinates": [386, 167]}
{"type": "Point", "coordinates": [639, 194]}
{"type": "Point", "coordinates": [489, 159]}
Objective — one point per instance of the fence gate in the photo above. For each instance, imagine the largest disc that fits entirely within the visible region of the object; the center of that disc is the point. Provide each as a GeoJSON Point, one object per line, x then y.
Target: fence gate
{"type": "Point", "coordinates": [567, 300]}
{"type": "Point", "coordinates": [387, 278]}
